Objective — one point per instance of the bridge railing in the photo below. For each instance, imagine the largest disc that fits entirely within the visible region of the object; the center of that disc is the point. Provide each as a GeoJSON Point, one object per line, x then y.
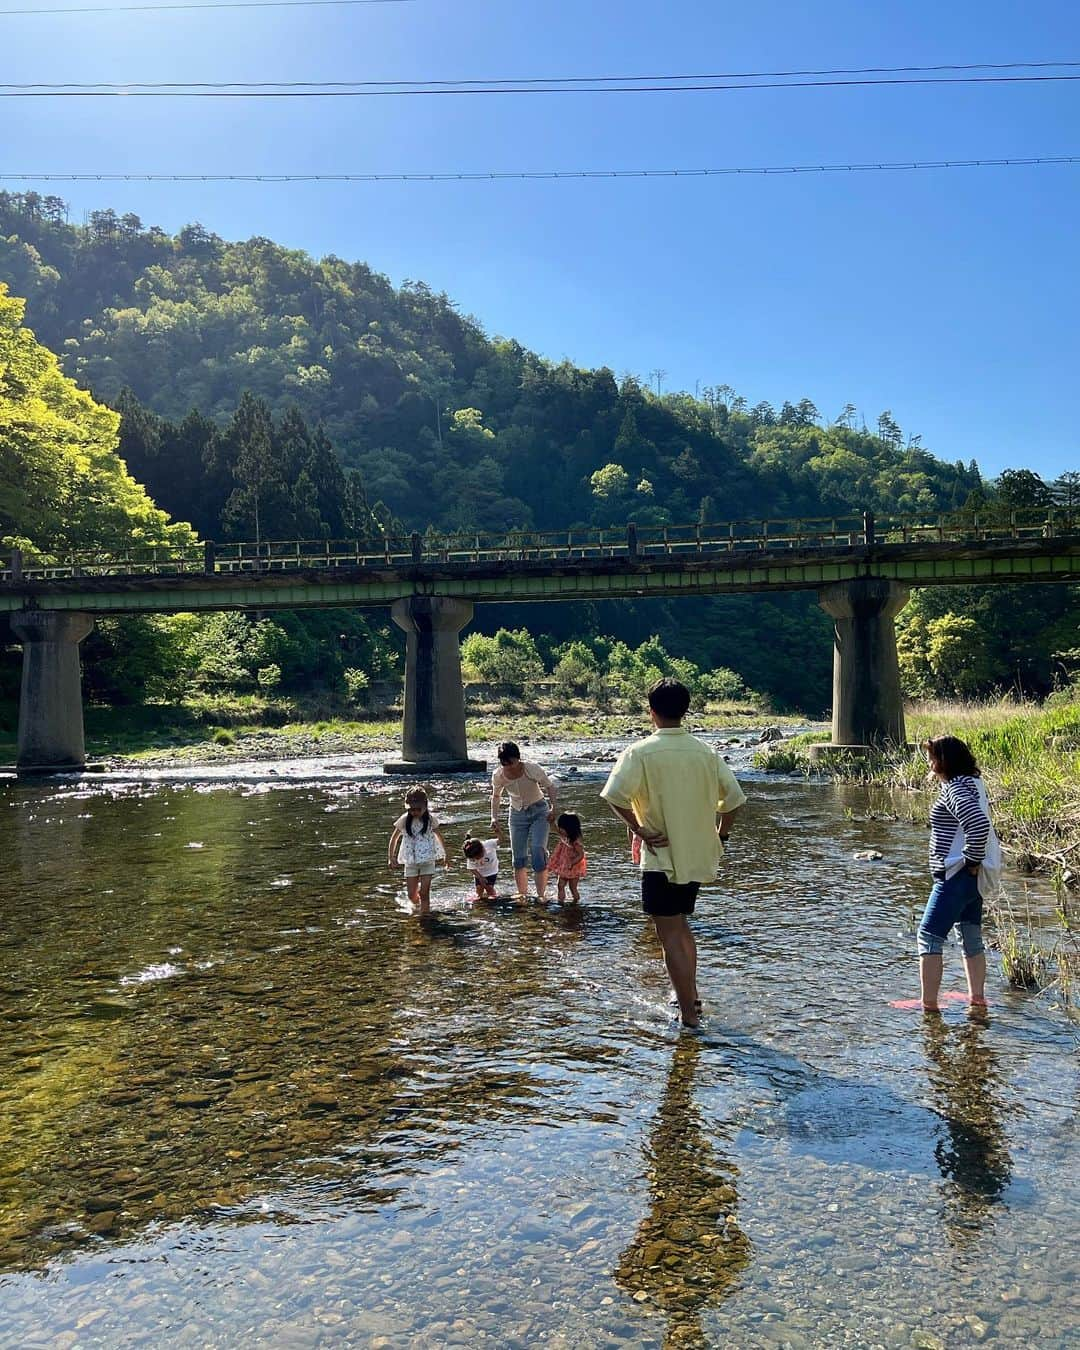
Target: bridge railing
{"type": "Point", "coordinates": [150, 560]}
{"type": "Point", "coordinates": [630, 542]}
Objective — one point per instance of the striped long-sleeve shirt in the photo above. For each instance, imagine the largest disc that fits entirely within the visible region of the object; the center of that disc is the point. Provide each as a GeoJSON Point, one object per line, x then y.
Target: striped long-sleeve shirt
{"type": "Point", "coordinates": [959, 826]}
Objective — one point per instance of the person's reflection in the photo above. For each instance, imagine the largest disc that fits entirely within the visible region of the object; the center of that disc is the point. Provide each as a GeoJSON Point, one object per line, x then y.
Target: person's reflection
{"type": "Point", "coordinates": [972, 1151]}
{"type": "Point", "coordinates": [688, 1251]}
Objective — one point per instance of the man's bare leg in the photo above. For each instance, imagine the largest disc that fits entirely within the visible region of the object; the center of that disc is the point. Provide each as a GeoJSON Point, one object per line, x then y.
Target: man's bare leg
{"type": "Point", "coordinates": [930, 980]}
{"type": "Point", "coordinates": [680, 958]}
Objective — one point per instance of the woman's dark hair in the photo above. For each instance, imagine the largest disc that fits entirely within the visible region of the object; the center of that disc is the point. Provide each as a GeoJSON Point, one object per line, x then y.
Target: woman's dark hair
{"type": "Point", "coordinates": [950, 757]}
{"type": "Point", "coordinates": [473, 848]}
{"type": "Point", "coordinates": [507, 752]}
{"type": "Point", "coordinates": [669, 699]}
{"type": "Point", "coordinates": [414, 797]}
{"type": "Point", "coordinates": [570, 826]}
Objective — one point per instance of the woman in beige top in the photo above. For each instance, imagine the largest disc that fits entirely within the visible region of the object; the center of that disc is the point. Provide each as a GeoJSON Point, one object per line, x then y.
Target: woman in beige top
{"type": "Point", "coordinates": [531, 814]}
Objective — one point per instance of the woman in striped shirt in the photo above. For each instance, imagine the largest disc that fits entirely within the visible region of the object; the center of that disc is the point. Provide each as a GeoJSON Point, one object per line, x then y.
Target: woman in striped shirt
{"type": "Point", "coordinates": [960, 832]}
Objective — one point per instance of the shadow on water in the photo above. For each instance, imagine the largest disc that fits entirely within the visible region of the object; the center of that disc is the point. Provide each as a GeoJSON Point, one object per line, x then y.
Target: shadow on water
{"type": "Point", "coordinates": [962, 1131]}
{"type": "Point", "coordinates": [689, 1251]}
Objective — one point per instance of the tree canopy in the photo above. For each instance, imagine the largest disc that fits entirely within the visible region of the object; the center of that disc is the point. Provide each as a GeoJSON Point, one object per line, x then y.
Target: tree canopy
{"type": "Point", "coordinates": [62, 482]}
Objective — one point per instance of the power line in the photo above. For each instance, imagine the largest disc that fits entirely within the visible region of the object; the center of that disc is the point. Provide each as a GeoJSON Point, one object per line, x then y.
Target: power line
{"type": "Point", "coordinates": [543, 80]}
{"type": "Point", "coordinates": [323, 91]}
{"type": "Point", "coordinates": [214, 4]}
{"type": "Point", "coordinates": [542, 174]}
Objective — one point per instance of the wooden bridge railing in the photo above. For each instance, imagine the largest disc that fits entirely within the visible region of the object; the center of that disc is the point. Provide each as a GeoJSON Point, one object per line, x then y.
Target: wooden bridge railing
{"type": "Point", "coordinates": [555, 546]}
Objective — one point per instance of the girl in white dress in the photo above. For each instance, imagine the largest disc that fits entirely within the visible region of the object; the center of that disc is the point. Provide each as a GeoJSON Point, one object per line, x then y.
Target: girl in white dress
{"type": "Point", "coordinates": [419, 847]}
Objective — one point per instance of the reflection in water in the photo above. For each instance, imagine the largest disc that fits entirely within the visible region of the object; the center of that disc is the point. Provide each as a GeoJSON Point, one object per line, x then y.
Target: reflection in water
{"type": "Point", "coordinates": [972, 1152]}
{"type": "Point", "coordinates": [239, 1086]}
{"type": "Point", "coordinates": [689, 1250]}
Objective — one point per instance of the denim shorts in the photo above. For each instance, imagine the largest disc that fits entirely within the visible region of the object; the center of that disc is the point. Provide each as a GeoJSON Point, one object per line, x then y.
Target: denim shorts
{"type": "Point", "coordinates": [953, 901]}
{"type": "Point", "coordinates": [529, 831]}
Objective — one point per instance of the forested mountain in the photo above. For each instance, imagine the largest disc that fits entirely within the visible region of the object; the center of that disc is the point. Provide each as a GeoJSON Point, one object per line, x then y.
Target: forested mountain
{"type": "Point", "coordinates": [266, 392]}
{"type": "Point", "coordinates": [446, 425]}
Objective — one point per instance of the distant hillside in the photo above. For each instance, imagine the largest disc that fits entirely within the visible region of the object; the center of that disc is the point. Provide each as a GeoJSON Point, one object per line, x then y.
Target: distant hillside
{"type": "Point", "coordinates": [242, 368]}
{"type": "Point", "coordinates": [445, 423]}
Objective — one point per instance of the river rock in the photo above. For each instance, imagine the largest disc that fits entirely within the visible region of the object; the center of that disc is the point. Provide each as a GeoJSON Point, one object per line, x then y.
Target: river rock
{"type": "Point", "coordinates": [195, 1099]}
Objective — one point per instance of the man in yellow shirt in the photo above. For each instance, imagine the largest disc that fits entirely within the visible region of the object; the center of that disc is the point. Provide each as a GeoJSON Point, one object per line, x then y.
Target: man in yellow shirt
{"type": "Point", "coordinates": [678, 796]}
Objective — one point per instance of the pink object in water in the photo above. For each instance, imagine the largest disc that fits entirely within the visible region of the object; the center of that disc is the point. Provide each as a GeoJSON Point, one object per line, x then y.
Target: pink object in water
{"type": "Point", "coordinates": [946, 996]}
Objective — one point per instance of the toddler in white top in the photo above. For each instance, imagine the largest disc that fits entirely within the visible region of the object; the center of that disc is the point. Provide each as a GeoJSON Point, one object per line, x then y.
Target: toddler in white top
{"type": "Point", "coordinates": [482, 860]}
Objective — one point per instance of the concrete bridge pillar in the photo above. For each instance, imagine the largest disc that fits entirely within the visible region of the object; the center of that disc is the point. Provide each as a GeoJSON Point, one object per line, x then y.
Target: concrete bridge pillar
{"type": "Point", "coordinates": [868, 708]}
{"type": "Point", "coordinates": [434, 729]}
{"type": "Point", "coordinates": [50, 703]}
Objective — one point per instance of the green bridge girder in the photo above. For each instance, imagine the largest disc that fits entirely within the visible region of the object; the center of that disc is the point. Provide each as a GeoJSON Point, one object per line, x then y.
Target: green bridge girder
{"type": "Point", "coordinates": [1052, 560]}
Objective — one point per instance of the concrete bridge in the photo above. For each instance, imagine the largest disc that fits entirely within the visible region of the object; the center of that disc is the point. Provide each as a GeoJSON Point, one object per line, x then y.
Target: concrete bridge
{"type": "Point", "coordinates": [862, 569]}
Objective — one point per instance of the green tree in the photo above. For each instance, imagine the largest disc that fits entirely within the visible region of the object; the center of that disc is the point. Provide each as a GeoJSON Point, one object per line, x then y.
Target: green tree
{"type": "Point", "coordinates": [610, 481]}
{"type": "Point", "coordinates": [943, 655]}
{"type": "Point", "coordinates": [510, 657]}
{"type": "Point", "coordinates": [62, 483]}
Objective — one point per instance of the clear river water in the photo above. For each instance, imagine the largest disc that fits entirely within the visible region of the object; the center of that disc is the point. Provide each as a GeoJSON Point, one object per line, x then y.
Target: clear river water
{"type": "Point", "coordinates": [247, 1099]}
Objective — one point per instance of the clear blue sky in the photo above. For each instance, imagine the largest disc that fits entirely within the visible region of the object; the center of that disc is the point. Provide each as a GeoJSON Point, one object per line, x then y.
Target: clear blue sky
{"type": "Point", "coordinates": [948, 297]}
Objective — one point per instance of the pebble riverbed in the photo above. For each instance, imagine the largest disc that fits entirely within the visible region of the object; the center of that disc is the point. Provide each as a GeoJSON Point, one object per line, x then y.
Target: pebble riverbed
{"type": "Point", "coordinates": [247, 1099]}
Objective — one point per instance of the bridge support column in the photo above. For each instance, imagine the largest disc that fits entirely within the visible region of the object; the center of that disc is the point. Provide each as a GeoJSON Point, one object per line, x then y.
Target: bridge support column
{"type": "Point", "coordinates": [434, 729]}
{"type": "Point", "coordinates": [868, 708]}
{"type": "Point", "coordinates": [50, 702]}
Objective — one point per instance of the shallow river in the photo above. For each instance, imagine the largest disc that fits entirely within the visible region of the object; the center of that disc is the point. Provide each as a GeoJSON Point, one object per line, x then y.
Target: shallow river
{"type": "Point", "coordinates": [246, 1099]}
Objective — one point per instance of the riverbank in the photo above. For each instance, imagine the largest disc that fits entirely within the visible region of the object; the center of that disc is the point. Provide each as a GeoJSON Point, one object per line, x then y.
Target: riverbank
{"type": "Point", "coordinates": [1029, 755]}
{"type": "Point", "coordinates": [252, 728]}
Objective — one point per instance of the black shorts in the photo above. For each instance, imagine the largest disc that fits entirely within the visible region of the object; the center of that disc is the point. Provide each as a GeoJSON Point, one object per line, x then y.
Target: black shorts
{"type": "Point", "coordinates": [664, 899]}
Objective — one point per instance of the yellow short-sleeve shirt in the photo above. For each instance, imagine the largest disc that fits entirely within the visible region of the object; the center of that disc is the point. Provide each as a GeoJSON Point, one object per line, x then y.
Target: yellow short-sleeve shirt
{"type": "Point", "coordinates": [676, 785]}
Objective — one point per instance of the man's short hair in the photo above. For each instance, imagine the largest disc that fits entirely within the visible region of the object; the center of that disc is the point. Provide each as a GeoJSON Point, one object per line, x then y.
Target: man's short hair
{"type": "Point", "coordinates": [669, 699]}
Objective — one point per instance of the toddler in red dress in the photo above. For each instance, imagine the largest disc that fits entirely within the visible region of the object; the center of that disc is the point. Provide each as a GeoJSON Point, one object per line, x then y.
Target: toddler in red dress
{"type": "Point", "coordinates": [567, 862]}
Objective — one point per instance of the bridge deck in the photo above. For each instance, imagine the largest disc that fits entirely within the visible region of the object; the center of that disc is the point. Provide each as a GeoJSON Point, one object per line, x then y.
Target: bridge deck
{"type": "Point", "coordinates": [289, 577]}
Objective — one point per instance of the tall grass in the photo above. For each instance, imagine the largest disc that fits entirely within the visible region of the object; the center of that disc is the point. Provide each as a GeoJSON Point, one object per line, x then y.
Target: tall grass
{"type": "Point", "coordinates": [1030, 759]}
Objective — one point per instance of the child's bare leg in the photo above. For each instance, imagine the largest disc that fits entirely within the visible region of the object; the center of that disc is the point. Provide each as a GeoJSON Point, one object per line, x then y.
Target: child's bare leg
{"type": "Point", "coordinates": [561, 890]}
{"type": "Point", "coordinates": [574, 894]}
{"type": "Point", "coordinates": [481, 886]}
{"type": "Point", "coordinates": [489, 888]}
{"type": "Point", "coordinates": [412, 886]}
{"type": "Point", "coordinates": [425, 894]}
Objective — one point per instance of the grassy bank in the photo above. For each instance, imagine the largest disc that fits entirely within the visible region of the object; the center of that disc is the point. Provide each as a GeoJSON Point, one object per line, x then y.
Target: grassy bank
{"type": "Point", "coordinates": [253, 726]}
{"type": "Point", "coordinates": [1030, 759]}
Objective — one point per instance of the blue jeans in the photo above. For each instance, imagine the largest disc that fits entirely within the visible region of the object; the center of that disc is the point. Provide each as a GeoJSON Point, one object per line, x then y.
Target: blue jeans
{"type": "Point", "coordinates": [955, 901]}
{"type": "Point", "coordinates": [529, 836]}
